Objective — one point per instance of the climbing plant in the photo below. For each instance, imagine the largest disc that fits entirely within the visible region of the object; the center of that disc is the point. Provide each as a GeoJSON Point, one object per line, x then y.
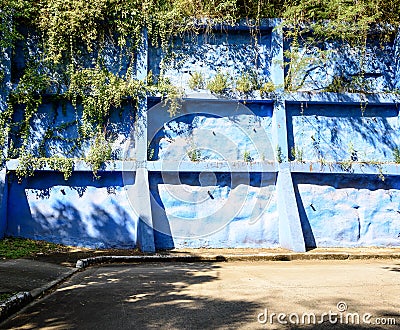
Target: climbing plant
{"type": "Point", "coordinates": [310, 26]}
{"type": "Point", "coordinates": [66, 32]}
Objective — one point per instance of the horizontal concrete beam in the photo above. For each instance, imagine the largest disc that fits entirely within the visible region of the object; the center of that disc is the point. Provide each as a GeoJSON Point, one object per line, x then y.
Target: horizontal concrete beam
{"type": "Point", "coordinates": [170, 166]}
{"type": "Point", "coordinates": [235, 166]}
{"type": "Point", "coordinates": [82, 166]}
{"type": "Point", "coordinates": [212, 166]}
{"type": "Point", "coordinates": [341, 98]}
{"type": "Point", "coordinates": [345, 168]}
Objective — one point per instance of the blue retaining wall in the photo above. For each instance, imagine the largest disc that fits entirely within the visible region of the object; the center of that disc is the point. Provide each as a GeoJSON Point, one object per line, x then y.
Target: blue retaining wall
{"type": "Point", "coordinates": [348, 210]}
{"type": "Point", "coordinates": [297, 170]}
{"type": "Point", "coordinates": [209, 209]}
{"type": "Point", "coordinates": [81, 211]}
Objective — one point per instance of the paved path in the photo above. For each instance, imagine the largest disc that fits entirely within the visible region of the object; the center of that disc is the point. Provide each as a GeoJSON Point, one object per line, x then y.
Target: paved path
{"type": "Point", "coordinates": [26, 275]}
{"type": "Point", "coordinates": [219, 296]}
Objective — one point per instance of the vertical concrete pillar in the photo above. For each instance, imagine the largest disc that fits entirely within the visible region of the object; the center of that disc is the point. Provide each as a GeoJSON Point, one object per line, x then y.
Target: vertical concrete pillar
{"type": "Point", "coordinates": [5, 83]}
{"type": "Point", "coordinates": [141, 191]}
{"type": "Point", "coordinates": [279, 135]}
{"type": "Point", "coordinates": [290, 231]}
{"type": "Point", "coordinates": [277, 68]}
{"type": "Point", "coordinates": [3, 202]}
{"type": "Point", "coordinates": [140, 199]}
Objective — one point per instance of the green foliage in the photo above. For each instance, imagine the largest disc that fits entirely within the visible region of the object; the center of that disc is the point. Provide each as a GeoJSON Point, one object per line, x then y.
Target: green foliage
{"type": "Point", "coordinates": [68, 25]}
{"type": "Point", "coordinates": [279, 154]}
{"type": "Point", "coordinates": [297, 154]}
{"type": "Point", "coordinates": [194, 154]}
{"type": "Point", "coordinates": [267, 89]}
{"type": "Point", "coordinates": [5, 296]}
{"type": "Point", "coordinates": [309, 25]}
{"type": "Point", "coordinates": [28, 164]}
{"type": "Point", "coordinates": [14, 248]}
{"type": "Point", "coordinates": [61, 164]}
{"type": "Point", "coordinates": [99, 91]}
{"type": "Point", "coordinates": [247, 156]}
{"type": "Point", "coordinates": [246, 83]}
{"type": "Point", "coordinates": [29, 92]}
{"type": "Point", "coordinates": [170, 94]}
{"type": "Point", "coordinates": [396, 155]}
{"type": "Point", "coordinates": [219, 83]}
{"type": "Point", "coordinates": [100, 150]}
{"type": "Point", "coordinates": [196, 81]}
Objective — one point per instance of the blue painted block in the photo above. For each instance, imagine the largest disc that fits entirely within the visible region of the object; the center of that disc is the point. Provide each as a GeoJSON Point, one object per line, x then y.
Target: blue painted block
{"type": "Point", "coordinates": [341, 132]}
{"type": "Point", "coordinates": [349, 211]}
{"type": "Point", "coordinates": [218, 130]}
{"type": "Point", "coordinates": [215, 210]}
{"type": "Point", "coordinates": [81, 211]}
{"type": "Point", "coordinates": [3, 202]}
{"type": "Point", "coordinates": [317, 71]}
{"type": "Point", "coordinates": [233, 52]}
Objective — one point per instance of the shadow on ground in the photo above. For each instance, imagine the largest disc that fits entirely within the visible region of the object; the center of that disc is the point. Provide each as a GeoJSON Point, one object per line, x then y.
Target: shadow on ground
{"type": "Point", "coordinates": [138, 297]}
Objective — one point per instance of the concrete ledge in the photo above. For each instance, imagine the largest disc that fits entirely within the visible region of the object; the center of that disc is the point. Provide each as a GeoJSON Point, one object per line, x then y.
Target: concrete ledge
{"type": "Point", "coordinates": [212, 166]}
{"type": "Point", "coordinates": [340, 168]}
{"type": "Point", "coordinates": [341, 98]}
{"type": "Point", "coordinates": [82, 166]}
{"type": "Point", "coordinates": [18, 301]}
{"type": "Point", "coordinates": [35, 293]}
{"type": "Point", "coordinates": [84, 263]}
{"type": "Point", "coordinates": [166, 165]}
{"type": "Point", "coordinates": [14, 304]}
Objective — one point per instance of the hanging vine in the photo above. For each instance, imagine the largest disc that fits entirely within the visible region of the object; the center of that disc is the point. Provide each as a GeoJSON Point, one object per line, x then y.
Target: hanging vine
{"type": "Point", "coordinates": [69, 32]}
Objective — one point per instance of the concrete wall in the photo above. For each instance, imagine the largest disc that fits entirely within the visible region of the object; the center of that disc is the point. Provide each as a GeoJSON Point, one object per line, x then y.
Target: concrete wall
{"type": "Point", "coordinates": [81, 211]}
{"type": "Point", "coordinates": [209, 209]}
{"type": "Point", "coordinates": [298, 170]}
{"type": "Point", "coordinates": [348, 210]}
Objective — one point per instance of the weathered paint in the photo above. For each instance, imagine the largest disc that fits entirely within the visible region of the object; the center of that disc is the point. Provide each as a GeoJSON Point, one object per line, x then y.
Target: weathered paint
{"type": "Point", "coordinates": [3, 202]}
{"type": "Point", "coordinates": [349, 210]}
{"type": "Point", "coordinates": [218, 130]}
{"type": "Point", "coordinates": [379, 66]}
{"type": "Point", "coordinates": [214, 210]}
{"type": "Point", "coordinates": [60, 142]}
{"type": "Point", "coordinates": [232, 53]}
{"type": "Point", "coordinates": [157, 198]}
{"type": "Point", "coordinates": [340, 132]}
{"type": "Point", "coordinates": [81, 211]}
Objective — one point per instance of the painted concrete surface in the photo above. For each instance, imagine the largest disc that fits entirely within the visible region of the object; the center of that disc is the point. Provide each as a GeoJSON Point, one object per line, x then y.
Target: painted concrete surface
{"type": "Point", "coordinates": [344, 211]}
{"type": "Point", "coordinates": [317, 66]}
{"type": "Point", "coordinates": [290, 229]}
{"type": "Point", "coordinates": [214, 210]}
{"type": "Point", "coordinates": [3, 202]}
{"type": "Point", "coordinates": [340, 132]}
{"type": "Point", "coordinates": [232, 53]}
{"type": "Point", "coordinates": [54, 131]}
{"type": "Point", "coordinates": [82, 211]}
{"type": "Point", "coordinates": [216, 130]}
{"type": "Point", "coordinates": [215, 174]}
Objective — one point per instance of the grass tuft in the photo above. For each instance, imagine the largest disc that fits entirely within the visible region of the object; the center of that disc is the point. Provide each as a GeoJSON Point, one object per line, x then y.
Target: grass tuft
{"type": "Point", "coordinates": [14, 248]}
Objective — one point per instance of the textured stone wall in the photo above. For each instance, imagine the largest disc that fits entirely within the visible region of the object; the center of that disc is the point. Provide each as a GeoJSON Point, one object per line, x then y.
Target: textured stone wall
{"type": "Point", "coordinates": [349, 210]}
{"type": "Point", "coordinates": [297, 170]}
{"type": "Point", "coordinates": [81, 211]}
